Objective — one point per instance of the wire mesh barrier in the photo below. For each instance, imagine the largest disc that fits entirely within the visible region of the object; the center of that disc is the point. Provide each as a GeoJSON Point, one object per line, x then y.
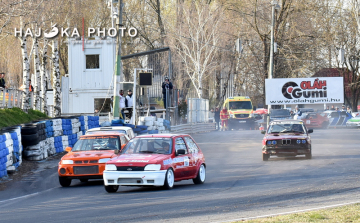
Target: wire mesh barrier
{"type": "Point", "coordinates": [193, 128]}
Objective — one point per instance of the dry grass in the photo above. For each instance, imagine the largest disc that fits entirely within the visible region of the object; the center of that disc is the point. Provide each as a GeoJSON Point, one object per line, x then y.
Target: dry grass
{"type": "Point", "coordinates": [349, 213]}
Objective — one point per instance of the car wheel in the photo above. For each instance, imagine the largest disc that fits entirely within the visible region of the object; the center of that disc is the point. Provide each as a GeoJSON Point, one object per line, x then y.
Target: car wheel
{"type": "Point", "coordinates": [84, 180]}
{"type": "Point", "coordinates": [308, 155]}
{"type": "Point", "coordinates": [201, 176]}
{"type": "Point", "coordinates": [169, 179]}
{"type": "Point", "coordinates": [111, 188]}
{"type": "Point", "coordinates": [266, 157]}
{"type": "Point", "coordinates": [325, 125]}
{"type": "Point", "coordinates": [64, 182]}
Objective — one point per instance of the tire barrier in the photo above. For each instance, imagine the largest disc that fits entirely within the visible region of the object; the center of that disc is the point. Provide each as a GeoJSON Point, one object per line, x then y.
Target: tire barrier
{"type": "Point", "coordinates": [38, 140]}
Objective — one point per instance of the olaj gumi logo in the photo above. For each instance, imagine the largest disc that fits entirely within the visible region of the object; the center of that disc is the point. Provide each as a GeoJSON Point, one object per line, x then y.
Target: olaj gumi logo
{"type": "Point", "coordinates": [100, 32]}
{"type": "Point", "coordinates": [317, 89]}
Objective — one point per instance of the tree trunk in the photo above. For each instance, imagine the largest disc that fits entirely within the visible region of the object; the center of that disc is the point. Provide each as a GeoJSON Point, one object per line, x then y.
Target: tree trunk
{"type": "Point", "coordinates": [44, 78]}
{"type": "Point", "coordinates": [26, 74]}
{"type": "Point", "coordinates": [36, 86]}
{"type": "Point", "coordinates": [56, 79]}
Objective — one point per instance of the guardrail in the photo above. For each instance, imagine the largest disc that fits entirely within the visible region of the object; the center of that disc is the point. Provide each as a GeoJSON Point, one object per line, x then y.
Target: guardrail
{"type": "Point", "coordinates": [193, 128]}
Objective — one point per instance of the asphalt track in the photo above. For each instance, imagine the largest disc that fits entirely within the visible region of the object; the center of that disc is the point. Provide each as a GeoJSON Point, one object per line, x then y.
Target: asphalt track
{"type": "Point", "coordinates": [238, 185]}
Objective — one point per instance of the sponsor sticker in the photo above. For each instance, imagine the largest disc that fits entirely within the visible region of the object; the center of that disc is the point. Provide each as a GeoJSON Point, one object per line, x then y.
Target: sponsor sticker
{"type": "Point", "coordinates": [132, 161]}
{"type": "Point", "coordinates": [186, 161]}
{"type": "Point", "coordinates": [167, 162]}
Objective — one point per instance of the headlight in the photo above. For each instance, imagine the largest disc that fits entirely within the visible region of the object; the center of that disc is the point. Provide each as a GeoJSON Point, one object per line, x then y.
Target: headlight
{"type": "Point", "coordinates": [104, 160]}
{"type": "Point", "coordinates": [67, 162]}
{"type": "Point", "coordinates": [251, 115]}
{"type": "Point", "coordinates": [231, 115]}
{"type": "Point", "coordinates": [110, 167]}
{"type": "Point", "coordinates": [298, 141]}
{"type": "Point", "coordinates": [303, 141]}
{"type": "Point", "coordinates": [274, 142]}
{"type": "Point", "coordinates": [268, 142]}
{"type": "Point", "coordinates": [152, 167]}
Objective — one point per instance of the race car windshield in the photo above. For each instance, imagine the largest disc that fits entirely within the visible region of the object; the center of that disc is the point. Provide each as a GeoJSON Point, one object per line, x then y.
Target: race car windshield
{"type": "Point", "coordinates": [97, 143]}
{"type": "Point", "coordinates": [106, 131]}
{"type": "Point", "coordinates": [240, 105]}
{"type": "Point", "coordinates": [279, 113]}
{"type": "Point", "coordinates": [148, 145]}
{"type": "Point", "coordinates": [286, 128]}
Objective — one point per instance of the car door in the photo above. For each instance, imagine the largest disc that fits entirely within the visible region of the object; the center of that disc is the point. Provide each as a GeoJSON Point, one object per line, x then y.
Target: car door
{"type": "Point", "coordinates": [181, 162]}
{"type": "Point", "coordinates": [193, 154]}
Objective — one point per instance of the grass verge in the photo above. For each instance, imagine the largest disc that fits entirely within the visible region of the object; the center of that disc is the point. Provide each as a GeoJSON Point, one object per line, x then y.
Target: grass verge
{"type": "Point", "coordinates": [15, 116]}
{"type": "Point", "coordinates": [349, 213]}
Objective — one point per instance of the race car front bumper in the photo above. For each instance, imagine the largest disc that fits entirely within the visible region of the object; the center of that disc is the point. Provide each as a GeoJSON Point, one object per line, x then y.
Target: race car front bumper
{"type": "Point", "coordinates": [134, 178]}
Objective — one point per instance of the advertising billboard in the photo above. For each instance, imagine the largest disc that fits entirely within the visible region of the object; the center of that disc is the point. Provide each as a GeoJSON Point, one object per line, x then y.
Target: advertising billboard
{"type": "Point", "coordinates": [319, 90]}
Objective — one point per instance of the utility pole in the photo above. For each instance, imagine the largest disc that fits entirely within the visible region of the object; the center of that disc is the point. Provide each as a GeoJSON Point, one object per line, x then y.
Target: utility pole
{"type": "Point", "coordinates": [274, 5]}
{"type": "Point", "coordinates": [118, 69]}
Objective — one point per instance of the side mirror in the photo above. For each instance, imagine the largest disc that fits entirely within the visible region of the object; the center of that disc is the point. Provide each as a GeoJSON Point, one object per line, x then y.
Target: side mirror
{"type": "Point", "coordinates": [116, 151]}
{"type": "Point", "coordinates": [68, 149]}
{"type": "Point", "coordinates": [180, 152]}
{"type": "Point", "coordinates": [262, 131]}
{"type": "Point", "coordinates": [310, 131]}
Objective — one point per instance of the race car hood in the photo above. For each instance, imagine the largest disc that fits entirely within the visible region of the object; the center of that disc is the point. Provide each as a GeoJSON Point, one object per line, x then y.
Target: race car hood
{"type": "Point", "coordinates": [286, 136]}
{"type": "Point", "coordinates": [138, 159]}
{"type": "Point", "coordinates": [80, 155]}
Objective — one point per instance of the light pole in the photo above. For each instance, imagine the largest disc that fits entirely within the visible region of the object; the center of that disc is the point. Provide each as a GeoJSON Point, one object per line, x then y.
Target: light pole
{"type": "Point", "coordinates": [118, 67]}
{"type": "Point", "coordinates": [274, 5]}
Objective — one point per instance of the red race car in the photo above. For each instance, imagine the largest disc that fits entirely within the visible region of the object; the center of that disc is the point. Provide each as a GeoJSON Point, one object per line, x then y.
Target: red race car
{"type": "Point", "coordinates": [156, 160]}
{"type": "Point", "coordinates": [286, 138]}
{"type": "Point", "coordinates": [315, 120]}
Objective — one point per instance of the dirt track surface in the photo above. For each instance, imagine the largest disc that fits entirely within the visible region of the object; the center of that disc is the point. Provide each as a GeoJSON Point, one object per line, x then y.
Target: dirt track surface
{"type": "Point", "coordinates": [239, 184]}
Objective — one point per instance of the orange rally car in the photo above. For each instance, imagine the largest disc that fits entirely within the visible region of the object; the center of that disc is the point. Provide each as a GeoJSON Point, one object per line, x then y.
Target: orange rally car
{"type": "Point", "coordinates": [88, 157]}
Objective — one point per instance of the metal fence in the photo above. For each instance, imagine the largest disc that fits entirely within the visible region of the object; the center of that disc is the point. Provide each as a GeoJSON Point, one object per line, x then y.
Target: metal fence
{"type": "Point", "coordinates": [198, 110]}
{"type": "Point", "coordinates": [193, 128]}
{"type": "Point", "coordinates": [10, 98]}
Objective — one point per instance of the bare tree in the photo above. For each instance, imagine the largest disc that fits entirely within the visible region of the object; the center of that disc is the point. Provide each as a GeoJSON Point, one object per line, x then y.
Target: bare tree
{"type": "Point", "coordinates": [196, 40]}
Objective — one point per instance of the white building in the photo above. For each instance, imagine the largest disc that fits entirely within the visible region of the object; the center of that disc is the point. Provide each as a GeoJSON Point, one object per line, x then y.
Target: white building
{"type": "Point", "coordinates": [91, 70]}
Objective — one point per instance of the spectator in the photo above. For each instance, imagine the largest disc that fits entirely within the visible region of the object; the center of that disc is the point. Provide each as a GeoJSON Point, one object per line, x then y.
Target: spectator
{"type": "Point", "coordinates": [343, 108]}
{"type": "Point", "coordinates": [332, 107]}
{"type": "Point", "coordinates": [217, 118]}
{"type": "Point", "coordinates": [129, 102]}
{"type": "Point", "coordinates": [348, 110]}
{"type": "Point", "coordinates": [297, 113]}
{"type": "Point", "coordinates": [327, 108]}
{"type": "Point", "coordinates": [166, 85]}
{"type": "Point", "coordinates": [122, 104]}
{"type": "Point", "coordinates": [336, 108]}
{"type": "Point", "coordinates": [2, 80]}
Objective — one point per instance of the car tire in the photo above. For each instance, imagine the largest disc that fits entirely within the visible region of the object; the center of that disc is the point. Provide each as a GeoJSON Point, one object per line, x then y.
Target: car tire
{"type": "Point", "coordinates": [201, 176]}
{"type": "Point", "coordinates": [111, 188]}
{"type": "Point", "coordinates": [169, 179]}
{"type": "Point", "coordinates": [308, 155]}
{"type": "Point", "coordinates": [266, 157]}
{"type": "Point", "coordinates": [84, 180]}
{"type": "Point", "coordinates": [64, 182]}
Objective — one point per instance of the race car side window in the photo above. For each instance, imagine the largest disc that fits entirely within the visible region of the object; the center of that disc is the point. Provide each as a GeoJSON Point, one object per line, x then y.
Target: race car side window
{"type": "Point", "coordinates": [180, 144]}
{"type": "Point", "coordinates": [191, 145]}
{"type": "Point", "coordinates": [123, 140]}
